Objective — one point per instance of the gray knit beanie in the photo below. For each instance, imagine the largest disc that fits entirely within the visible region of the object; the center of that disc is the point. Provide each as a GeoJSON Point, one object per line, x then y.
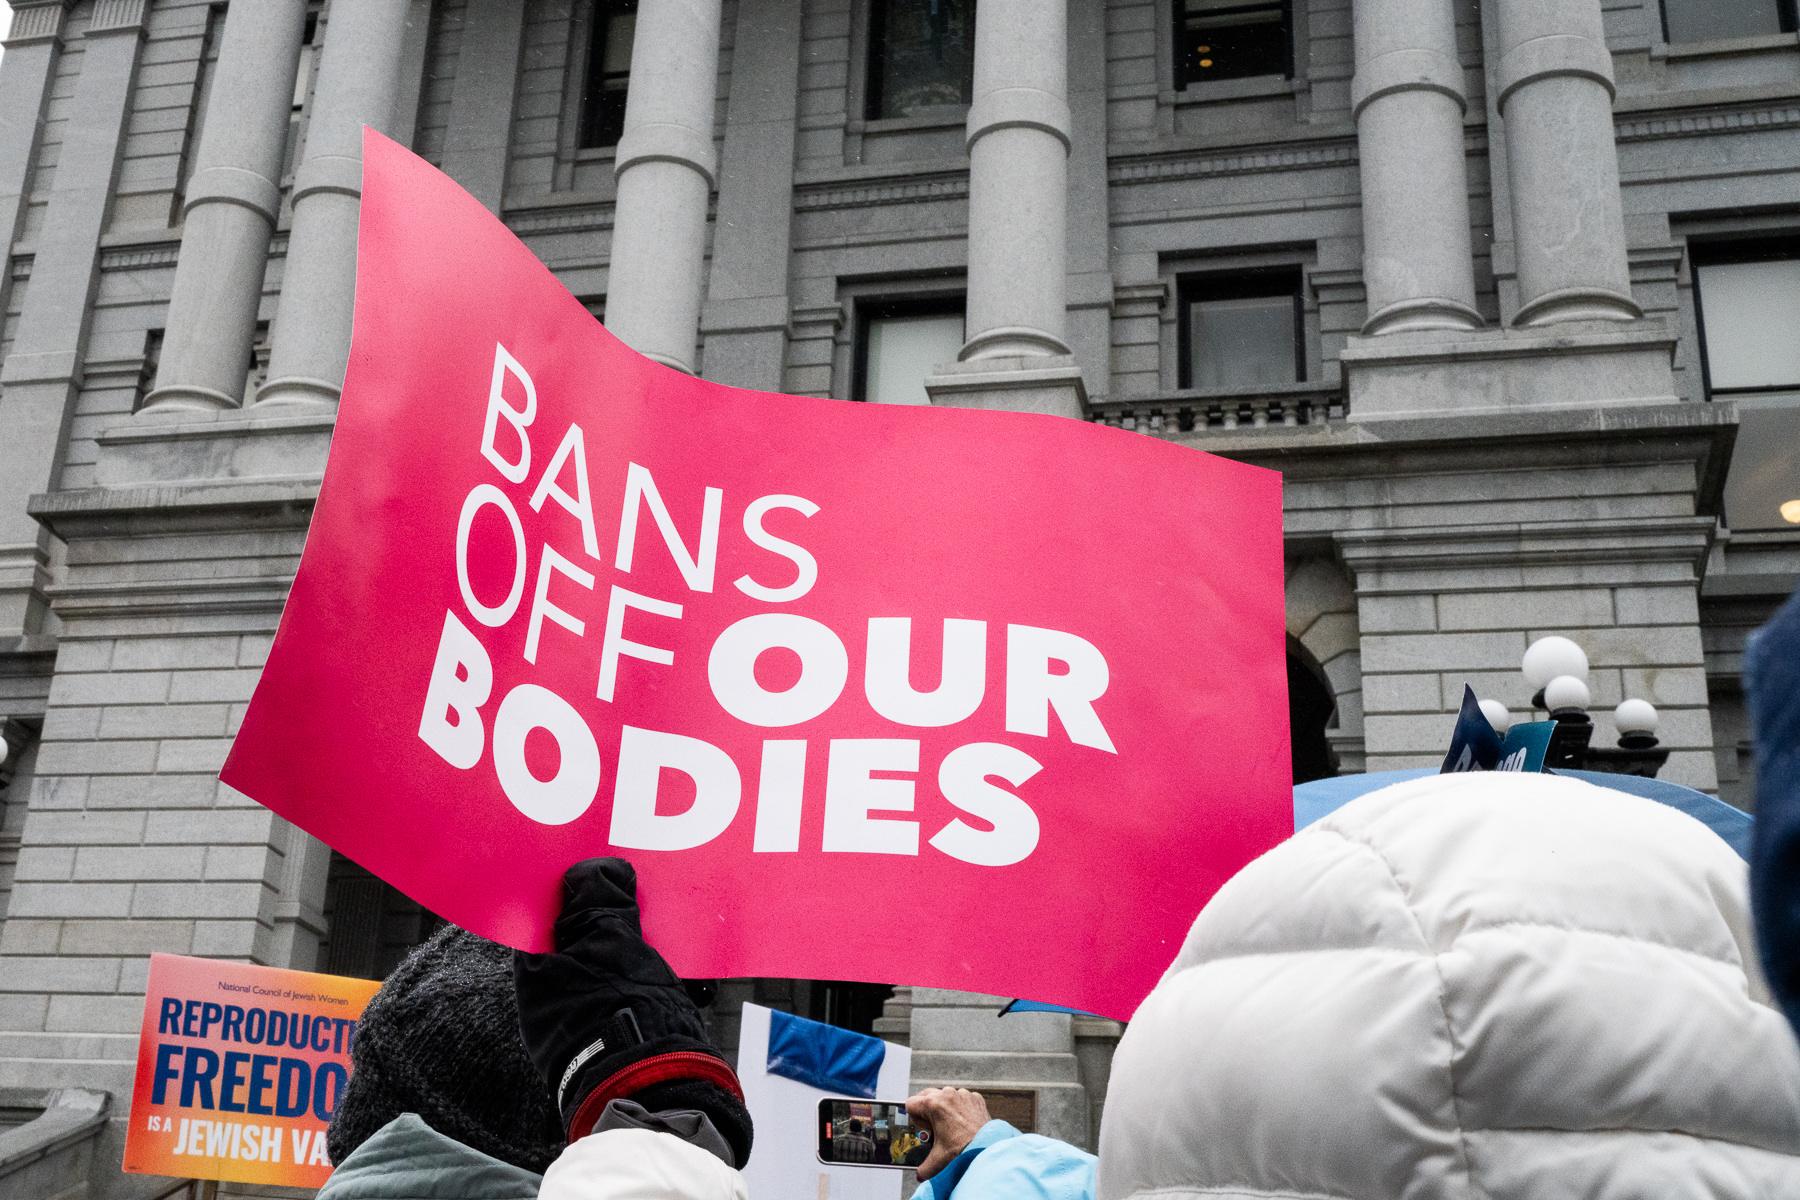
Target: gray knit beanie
{"type": "Point", "coordinates": [441, 1039]}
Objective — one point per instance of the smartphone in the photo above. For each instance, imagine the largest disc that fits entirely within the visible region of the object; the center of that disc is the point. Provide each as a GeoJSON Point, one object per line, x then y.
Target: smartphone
{"type": "Point", "coordinates": [870, 1133]}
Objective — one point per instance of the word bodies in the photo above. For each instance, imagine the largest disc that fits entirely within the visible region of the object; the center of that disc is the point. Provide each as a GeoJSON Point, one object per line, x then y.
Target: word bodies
{"type": "Point", "coordinates": [1048, 672]}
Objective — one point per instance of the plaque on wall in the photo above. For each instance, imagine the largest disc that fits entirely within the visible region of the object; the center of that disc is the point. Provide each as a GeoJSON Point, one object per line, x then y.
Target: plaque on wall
{"type": "Point", "coordinates": [1016, 1106]}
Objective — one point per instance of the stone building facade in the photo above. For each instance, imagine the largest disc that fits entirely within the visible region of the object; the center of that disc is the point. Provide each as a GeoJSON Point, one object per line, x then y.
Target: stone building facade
{"type": "Point", "coordinates": [1510, 292]}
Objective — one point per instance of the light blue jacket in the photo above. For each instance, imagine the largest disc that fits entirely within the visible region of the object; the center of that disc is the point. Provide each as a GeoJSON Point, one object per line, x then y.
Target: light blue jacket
{"type": "Point", "coordinates": [1001, 1163]}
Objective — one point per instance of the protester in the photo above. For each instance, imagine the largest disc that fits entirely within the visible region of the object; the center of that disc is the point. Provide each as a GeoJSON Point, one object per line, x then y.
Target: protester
{"type": "Point", "coordinates": [1772, 678]}
{"type": "Point", "coordinates": [1487, 985]}
{"type": "Point", "coordinates": [443, 1099]}
{"type": "Point", "coordinates": [472, 1064]}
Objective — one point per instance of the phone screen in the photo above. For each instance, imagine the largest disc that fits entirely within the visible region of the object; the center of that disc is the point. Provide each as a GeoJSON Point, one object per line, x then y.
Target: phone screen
{"type": "Point", "coordinates": [870, 1133]}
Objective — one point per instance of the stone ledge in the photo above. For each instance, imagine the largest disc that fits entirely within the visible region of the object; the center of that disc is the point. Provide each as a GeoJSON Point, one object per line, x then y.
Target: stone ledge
{"type": "Point", "coordinates": [1636, 539]}
{"type": "Point", "coordinates": [220, 504]}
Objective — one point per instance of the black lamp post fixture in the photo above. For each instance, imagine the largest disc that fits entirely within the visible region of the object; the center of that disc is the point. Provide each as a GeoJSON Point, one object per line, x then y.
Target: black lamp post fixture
{"type": "Point", "coordinates": [1558, 668]}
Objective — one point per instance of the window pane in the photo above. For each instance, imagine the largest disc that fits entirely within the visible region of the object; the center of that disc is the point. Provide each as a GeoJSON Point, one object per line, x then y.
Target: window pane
{"type": "Point", "coordinates": [608, 73]}
{"type": "Point", "coordinates": [922, 56]}
{"type": "Point", "coordinates": [902, 351]}
{"type": "Point", "coordinates": [1703, 20]}
{"type": "Point", "coordinates": [1765, 465]}
{"type": "Point", "coordinates": [1247, 342]}
{"type": "Point", "coordinates": [1750, 312]}
{"type": "Point", "coordinates": [620, 29]}
{"type": "Point", "coordinates": [1225, 40]}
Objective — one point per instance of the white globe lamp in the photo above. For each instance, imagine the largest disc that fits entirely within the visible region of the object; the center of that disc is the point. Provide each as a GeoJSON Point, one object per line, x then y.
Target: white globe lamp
{"type": "Point", "coordinates": [1636, 721]}
{"type": "Point", "coordinates": [1549, 657]}
{"type": "Point", "coordinates": [1566, 693]}
{"type": "Point", "coordinates": [1498, 715]}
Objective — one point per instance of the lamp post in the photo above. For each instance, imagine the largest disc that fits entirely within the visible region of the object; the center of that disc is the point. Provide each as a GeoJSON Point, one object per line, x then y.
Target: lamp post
{"type": "Point", "coordinates": [1556, 668]}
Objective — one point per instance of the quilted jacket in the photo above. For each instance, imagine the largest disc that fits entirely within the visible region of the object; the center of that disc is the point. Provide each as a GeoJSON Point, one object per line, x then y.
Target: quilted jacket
{"type": "Point", "coordinates": [1479, 987]}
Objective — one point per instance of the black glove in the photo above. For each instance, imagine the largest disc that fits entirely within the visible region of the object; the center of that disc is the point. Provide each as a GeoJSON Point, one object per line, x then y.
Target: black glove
{"type": "Point", "coordinates": [604, 1018]}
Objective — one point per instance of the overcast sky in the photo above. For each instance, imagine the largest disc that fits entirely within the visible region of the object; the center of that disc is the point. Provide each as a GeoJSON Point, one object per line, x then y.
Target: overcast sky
{"type": "Point", "coordinates": [5, 21]}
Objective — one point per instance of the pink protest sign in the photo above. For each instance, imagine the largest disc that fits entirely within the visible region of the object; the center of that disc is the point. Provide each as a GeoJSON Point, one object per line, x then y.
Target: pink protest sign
{"type": "Point", "coordinates": [961, 699]}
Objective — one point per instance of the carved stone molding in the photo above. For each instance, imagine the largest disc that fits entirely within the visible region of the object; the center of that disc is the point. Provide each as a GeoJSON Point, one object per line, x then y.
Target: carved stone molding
{"type": "Point", "coordinates": [814, 197]}
{"type": "Point", "coordinates": [125, 258]}
{"type": "Point", "coordinates": [1170, 168]}
{"type": "Point", "coordinates": [111, 15]}
{"type": "Point", "coordinates": [1650, 127]}
{"type": "Point", "coordinates": [36, 23]}
{"type": "Point", "coordinates": [585, 219]}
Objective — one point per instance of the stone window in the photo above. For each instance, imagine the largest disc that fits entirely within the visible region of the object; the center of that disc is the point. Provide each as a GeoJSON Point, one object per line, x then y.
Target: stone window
{"type": "Point", "coordinates": [1231, 39]}
{"type": "Point", "coordinates": [921, 57]}
{"type": "Point", "coordinates": [899, 343]}
{"type": "Point", "coordinates": [303, 81]}
{"type": "Point", "coordinates": [1241, 329]}
{"type": "Point", "coordinates": [606, 73]}
{"type": "Point", "coordinates": [1707, 20]}
{"type": "Point", "coordinates": [1745, 298]}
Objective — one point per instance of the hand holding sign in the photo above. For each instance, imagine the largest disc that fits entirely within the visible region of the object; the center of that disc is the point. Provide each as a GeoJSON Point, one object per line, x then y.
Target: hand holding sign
{"type": "Point", "coordinates": [559, 601]}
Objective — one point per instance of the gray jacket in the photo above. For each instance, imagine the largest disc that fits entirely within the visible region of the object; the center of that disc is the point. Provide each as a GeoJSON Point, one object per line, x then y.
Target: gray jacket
{"type": "Point", "coordinates": [409, 1160]}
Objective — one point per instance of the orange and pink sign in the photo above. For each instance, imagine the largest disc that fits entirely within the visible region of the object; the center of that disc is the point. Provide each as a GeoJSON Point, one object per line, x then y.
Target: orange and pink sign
{"type": "Point", "coordinates": [239, 1071]}
{"type": "Point", "coordinates": [796, 658]}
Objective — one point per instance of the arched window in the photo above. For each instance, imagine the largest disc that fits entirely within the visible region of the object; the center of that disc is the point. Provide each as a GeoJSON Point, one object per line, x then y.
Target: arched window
{"type": "Point", "coordinates": [1311, 705]}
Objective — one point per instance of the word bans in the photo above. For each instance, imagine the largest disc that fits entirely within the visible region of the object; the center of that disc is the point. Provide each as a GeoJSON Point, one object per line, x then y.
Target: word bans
{"type": "Point", "coordinates": [865, 806]}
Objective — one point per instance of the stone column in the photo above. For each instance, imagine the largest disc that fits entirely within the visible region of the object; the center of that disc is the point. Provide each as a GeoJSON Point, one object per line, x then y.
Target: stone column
{"type": "Point", "coordinates": [1409, 103]}
{"type": "Point", "coordinates": [745, 320]}
{"type": "Point", "coordinates": [42, 375]}
{"type": "Point", "coordinates": [232, 203]}
{"type": "Point", "coordinates": [1554, 89]}
{"type": "Point", "coordinates": [1018, 181]}
{"type": "Point", "coordinates": [32, 45]}
{"type": "Point", "coordinates": [666, 168]}
{"type": "Point", "coordinates": [359, 76]}
{"type": "Point", "coordinates": [482, 99]}
{"type": "Point", "coordinates": [1017, 354]}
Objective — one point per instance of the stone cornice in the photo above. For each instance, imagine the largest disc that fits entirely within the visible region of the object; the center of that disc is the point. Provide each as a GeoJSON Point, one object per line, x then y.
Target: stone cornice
{"type": "Point", "coordinates": [1629, 539]}
{"type": "Point", "coordinates": [1622, 433]}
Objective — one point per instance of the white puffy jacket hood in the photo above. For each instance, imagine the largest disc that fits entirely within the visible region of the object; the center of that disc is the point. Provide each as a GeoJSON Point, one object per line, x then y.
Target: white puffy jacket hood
{"type": "Point", "coordinates": [1493, 986]}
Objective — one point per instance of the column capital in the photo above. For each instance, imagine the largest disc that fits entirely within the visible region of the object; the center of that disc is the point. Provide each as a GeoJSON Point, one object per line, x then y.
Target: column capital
{"type": "Point", "coordinates": [118, 16]}
{"type": "Point", "coordinates": [32, 23]}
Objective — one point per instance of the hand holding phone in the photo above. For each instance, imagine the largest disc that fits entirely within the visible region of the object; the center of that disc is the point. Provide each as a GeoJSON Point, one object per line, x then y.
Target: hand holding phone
{"type": "Point", "coordinates": [953, 1116]}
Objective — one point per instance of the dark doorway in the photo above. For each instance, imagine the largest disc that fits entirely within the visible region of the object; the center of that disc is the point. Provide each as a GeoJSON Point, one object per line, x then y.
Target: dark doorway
{"type": "Point", "coordinates": [1310, 708]}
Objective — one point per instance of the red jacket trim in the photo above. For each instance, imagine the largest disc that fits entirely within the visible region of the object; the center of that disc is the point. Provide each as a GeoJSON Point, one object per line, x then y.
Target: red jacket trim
{"type": "Point", "coordinates": [647, 1072]}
